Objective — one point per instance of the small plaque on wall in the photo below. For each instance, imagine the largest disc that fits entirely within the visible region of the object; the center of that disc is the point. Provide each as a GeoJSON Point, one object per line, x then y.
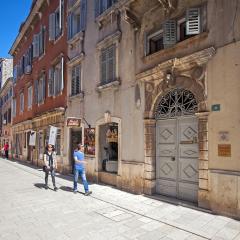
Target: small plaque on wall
{"type": "Point", "coordinates": [224, 150]}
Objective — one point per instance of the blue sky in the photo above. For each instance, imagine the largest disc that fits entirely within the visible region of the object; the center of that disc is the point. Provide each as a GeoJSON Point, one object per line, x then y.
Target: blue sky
{"type": "Point", "coordinates": [12, 13]}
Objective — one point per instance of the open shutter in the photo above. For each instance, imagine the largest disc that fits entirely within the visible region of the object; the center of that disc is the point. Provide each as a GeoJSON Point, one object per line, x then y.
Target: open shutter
{"type": "Point", "coordinates": [104, 66]}
{"type": "Point", "coordinates": [44, 87]}
{"type": "Point", "coordinates": [36, 91]}
{"type": "Point", "coordinates": [193, 21]}
{"type": "Point", "coordinates": [70, 26]}
{"type": "Point", "coordinates": [111, 64]}
{"type": "Point", "coordinates": [83, 14]}
{"type": "Point", "coordinates": [50, 82]}
{"type": "Point", "coordinates": [62, 74]}
{"type": "Point", "coordinates": [169, 33]}
{"type": "Point", "coordinates": [15, 74]}
{"type": "Point", "coordinates": [52, 24]}
{"type": "Point", "coordinates": [97, 7]}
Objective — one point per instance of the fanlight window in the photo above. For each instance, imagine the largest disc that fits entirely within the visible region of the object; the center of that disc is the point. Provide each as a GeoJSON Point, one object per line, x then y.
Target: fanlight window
{"type": "Point", "coordinates": [178, 102]}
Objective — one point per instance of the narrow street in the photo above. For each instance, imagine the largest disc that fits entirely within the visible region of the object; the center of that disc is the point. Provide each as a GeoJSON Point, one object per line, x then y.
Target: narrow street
{"type": "Point", "coordinates": [28, 211]}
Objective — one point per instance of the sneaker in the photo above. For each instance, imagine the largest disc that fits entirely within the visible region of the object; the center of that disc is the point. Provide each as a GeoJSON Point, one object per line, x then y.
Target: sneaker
{"type": "Point", "coordinates": [88, 193]}
{"type": "Point", "coordinates": [55, 189]}
{"type": "Point", "coordinates": [75, 191]}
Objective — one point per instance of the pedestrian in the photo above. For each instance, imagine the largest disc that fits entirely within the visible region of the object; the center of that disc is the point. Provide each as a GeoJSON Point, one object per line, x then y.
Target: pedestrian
{"type": "Point", "coordinates": [6, 149]}
{"type": "Point", "coordinates": [50, 165]}
{"type": "Point", "coordinates": [79, 169]}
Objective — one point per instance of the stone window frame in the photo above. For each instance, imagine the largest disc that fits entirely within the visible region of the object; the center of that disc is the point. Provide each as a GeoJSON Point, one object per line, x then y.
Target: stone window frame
{"type": "Point", "coordinates": [113, 39]}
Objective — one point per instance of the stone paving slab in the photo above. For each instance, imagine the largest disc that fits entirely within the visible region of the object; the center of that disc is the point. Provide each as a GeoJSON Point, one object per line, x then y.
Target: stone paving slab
{"type": "Point", "coordinates": [28, 211]}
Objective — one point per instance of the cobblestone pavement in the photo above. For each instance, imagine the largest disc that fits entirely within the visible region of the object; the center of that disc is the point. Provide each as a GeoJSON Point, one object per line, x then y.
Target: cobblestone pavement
{"type": "Point", "coordinates": [28, 211]}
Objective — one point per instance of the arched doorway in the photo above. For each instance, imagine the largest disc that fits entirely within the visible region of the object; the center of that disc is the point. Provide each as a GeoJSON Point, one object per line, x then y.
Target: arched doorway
{"type": "Point", "coordinates": [177, 145]}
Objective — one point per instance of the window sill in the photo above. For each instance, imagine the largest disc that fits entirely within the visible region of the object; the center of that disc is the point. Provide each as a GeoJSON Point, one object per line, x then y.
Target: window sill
{"type": "Point", "coordinates": [76, 37]}
{"type": "Point", "coordinates": [111, 85]}
{"type": "Point", "coordinates": [79, 96]}
{"type": "Point", "coordinates": [180, 45]}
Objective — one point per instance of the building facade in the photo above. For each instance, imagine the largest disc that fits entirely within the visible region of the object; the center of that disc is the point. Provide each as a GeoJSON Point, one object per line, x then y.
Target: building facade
{"type": "Point", "coordinates": [39, 96]}
{"type": "Point", "coordinates": [6, 115]}
{"type": "Point", "coordinates": [147, 80]}
{"type": "Point", "coordinates": [6, 66]}
{"type": "Point", "coordinates": [150, 88]}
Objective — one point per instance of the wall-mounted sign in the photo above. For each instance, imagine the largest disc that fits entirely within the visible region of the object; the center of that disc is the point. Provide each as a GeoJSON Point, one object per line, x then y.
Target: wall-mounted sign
{"type": "Point", "coordinates": [216, 107]}
{"type": "Point", "coordinates": [32, 138]}
{"type": "Point", "coordinates": [224, 150]}
{"type": "Point", "coordinates": [73, 122]}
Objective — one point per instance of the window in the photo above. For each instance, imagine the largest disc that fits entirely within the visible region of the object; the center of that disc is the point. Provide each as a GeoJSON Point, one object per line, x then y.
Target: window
{"type": "Point", "coordinates": [174, 31]}
{"type": "Point", "coordinates": [9, 116]}
{"type": "Point", "coordinates": [39, 43]}
{"type": "Point", "coordinates": [102, 5]}
{"type": "Point", "coordinates": [30, 97]}
{"type": "Point", "coordinates": [76, 80]}
{"type": "Point", "coordinates": [21, 102]}
{"type": "Point", "coordinates": [155, 42]}
{"type": "Point", "coordinates": [14, 107]}
{"type": "Point", "coordinates": [56, 79]}
{"type": "Point", "coordinates": [40, 89]}
{"type": "Point", "coordinates": [108, 64]}
{"type": "Point", "coordinates": [77, 20]}
{"type": "Point", "coordinates": [28, 60]}
{"type": "Point", "coordinates": [56, 22]}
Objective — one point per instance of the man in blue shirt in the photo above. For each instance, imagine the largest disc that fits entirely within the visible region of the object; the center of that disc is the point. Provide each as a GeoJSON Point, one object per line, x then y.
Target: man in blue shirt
{"type": "Point", "coordinates": [79, 169]}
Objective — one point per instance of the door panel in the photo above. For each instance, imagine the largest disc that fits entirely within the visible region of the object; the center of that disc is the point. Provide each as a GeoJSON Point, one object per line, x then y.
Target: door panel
{"type": "Point", "coordinates": [177, 157]}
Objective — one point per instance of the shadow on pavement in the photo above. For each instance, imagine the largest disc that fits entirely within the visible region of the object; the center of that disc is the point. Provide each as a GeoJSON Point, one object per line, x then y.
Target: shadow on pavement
{"type": "Point", "coordinates": [66, 189]}
{"type": "Point", "coordinates": [39, 185]}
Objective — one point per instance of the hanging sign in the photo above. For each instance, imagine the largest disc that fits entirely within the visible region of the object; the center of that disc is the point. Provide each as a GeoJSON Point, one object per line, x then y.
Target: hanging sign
{"type": "Point", "coordinates": [32, 138]}
{"type": "Point", "coordinates": [73, 122]}
{"type": "Point", "coordinates": [52, 135]}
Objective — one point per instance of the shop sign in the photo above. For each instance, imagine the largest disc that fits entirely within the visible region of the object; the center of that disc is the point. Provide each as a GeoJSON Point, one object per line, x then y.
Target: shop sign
{"type": "Point", "coordinates": [224, 150]}
{"type": "Point", "coordinates": [73, 122]}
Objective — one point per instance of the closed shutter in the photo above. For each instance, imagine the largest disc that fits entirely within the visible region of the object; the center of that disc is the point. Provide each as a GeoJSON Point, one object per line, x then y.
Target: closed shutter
{"type": "Point", "coordinates": [50, 82]}
{"type": "Point", "coordinates": [43, 87]}
{"type": "Point", "coordinates": [111, 64]}
{"type": "Point", "coordinates": [52, 24]}
{"type": "Point", "coordinates": [193, 21]}
{"type": "Point", "coordinates": [97, 7]}
{"type": "Point", "coordinates": [83, 15]}
{"type": "Point", "coordinates": [104, 66]}
{"type": "Point", "coordinates": [69, 23]}
{"type": "Point", "coordinates": [15, 74]}
{"type": "Point", "coordinates": [36, 91]}
{"type": "Point", "coordinates": [62, 75]}
{"type": "Point", "coordinates": [78, 79]}
{"type": "Point", "coordinates": [169, 33]}
{"type": "Point", "coordinates": [60, 15]}
{"type": "Point", "coordinates": [73, 83]}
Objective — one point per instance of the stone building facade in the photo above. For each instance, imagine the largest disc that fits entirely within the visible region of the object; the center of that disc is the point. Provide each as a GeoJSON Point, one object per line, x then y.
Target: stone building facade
{"type": "Point", "coordinates": [6, 66]}
{"type": "Point", "coordinates": [158, 86]}
{"type": "Point", "coordinates": [6, 114]}
{"type": "Point", "coordinates": [39, 96]}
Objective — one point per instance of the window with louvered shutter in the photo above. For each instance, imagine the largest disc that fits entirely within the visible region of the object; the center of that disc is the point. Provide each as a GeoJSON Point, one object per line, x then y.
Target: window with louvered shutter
{"type": "Point", "coordinates": [104, 66]}
{"type": "Point", "coordinates": [41, 41]}
{"type": "Point", "coordinates": [97, 7]}
{"type": "Point", "coordinates": [62, 75]}
{"type": "Point", "coordinates": [193, 21]}
{"type": "Point", "coordinates": [15, 74]}
{"type": "Point", "coordinates": [83, 14]}
{"type": "Point", "coordinates": [70, 26]}
{"type": "Point", "coordinates": [44, 87]}
{"type": "Point", "coordinates": [29, 97]}
{"type": "Point", "coordinates": [36, 91]}
{"type": "Point", "coordinates": [51, 82]}
{"type": "Point", "coordinates": [169, 33]}
{"type": "Point", "coordinates": [76, 80]}
{"type": "Point", "coordinates": [21, 102]}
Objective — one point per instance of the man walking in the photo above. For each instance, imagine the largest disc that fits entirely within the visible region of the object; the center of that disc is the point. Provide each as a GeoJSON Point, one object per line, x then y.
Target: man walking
{"type": "Point", "coordinates": [79, 169]}
{"type": "Point", "coordinates": [6, 149]}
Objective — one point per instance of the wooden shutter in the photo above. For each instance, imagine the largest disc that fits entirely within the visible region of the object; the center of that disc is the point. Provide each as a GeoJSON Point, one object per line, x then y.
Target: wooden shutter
{"type": "Point", "coordinates": [83, 15]}
{"type": "Point", "coordinates": [15, 74]}
{"type": "Point", "coordinates": [43, 87]}
{"type": "Point", "coordinates": [97, 7]}
{"type": "Point", "coordinates": [69, 25]}
{"type": "Point", "coordinates": [193, 21]}
{"type": "Point", "coordinates": [169, 33]}
{"type": "Point", "coordinates": [104, 66]}
{"type": "Point", "coordinates": [36, 91]}
{"type": "Point", "coordinates": [111, 64]}
{"type": "Point", "coordinates": [50, 82]}
{"type": "Point", "coordinates": [62, 74]}
{"type": "Point", "coordinates": [52, 24]}
{"type": "Point", "coordinates": [60, 15]}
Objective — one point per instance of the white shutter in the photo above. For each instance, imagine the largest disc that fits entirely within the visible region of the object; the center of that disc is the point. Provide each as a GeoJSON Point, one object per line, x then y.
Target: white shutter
{"type": "Point", "coordinates": [62, 74]}
{"type": "Point", "coordinates": [193, 21]}
{"type": "Point", "coordinates": [60, 15]}
{"type": "Point", "coordinates": [169, 33]}
{"type": "Point", "coordinates": [83, 15]}
{"type": "Point", "coordinates": [70, 27]}
{"type": "Point", "coordinates": [35, 45]}
{"type": "Point", "coordinates": [52, 24]}
{"type": "Point", "coordinates": [50, 82]}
